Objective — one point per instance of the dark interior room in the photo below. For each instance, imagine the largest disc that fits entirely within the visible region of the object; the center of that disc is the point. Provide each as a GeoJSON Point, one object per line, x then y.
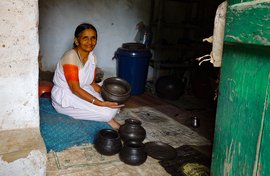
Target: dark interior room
{"type": "Point", "coordinates": [135, 87]}
{"type": "Point", "coordinates": [179, 86]}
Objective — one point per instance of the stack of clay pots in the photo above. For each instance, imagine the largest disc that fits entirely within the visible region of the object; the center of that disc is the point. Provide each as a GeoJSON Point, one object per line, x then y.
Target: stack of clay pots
{"type": "Point", "coordinates": [131, 148]}
{"type": "Point", "coordinates": [132, 135]}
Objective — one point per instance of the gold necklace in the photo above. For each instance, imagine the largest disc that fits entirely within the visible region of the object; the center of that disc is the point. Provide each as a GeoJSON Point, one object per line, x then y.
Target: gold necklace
{"type": "Point", "coordinates": [81, 59]}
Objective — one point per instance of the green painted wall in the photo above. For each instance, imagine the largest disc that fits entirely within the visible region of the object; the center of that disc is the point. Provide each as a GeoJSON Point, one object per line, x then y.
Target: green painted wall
{"type": "Point", "coordinates": [248, 23]}
{"type": "Point", "coordinates": [243, 99]}
{"type": "Point", "coordinates": [242, 132]}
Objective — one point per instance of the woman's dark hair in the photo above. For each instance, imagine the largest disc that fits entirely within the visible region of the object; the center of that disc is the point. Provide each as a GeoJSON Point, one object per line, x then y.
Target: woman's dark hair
{"type": "Point", "coordinates": [81, 28]}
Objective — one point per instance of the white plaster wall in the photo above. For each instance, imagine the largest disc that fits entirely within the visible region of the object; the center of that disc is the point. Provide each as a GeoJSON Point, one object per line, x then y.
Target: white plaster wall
{"type": "Point", "coordinates": [32, 165]}
{"type": "Point", "coordinates": [115, 21]}
{"type": "Point", "coordinates": [19, 64]}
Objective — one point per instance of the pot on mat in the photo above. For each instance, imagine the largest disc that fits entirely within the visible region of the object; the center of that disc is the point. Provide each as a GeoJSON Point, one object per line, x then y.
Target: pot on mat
{"type": "Point", "coordinates": [133, 153]}
{"type": "Point", "coordinates": [108, 142]}
{"type": "Point", "coordinates": [132, 130]}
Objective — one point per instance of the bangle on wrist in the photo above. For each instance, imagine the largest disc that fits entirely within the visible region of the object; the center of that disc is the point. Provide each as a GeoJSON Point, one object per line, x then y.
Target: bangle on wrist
{"type": "Point", "coordinates": [93, 101]}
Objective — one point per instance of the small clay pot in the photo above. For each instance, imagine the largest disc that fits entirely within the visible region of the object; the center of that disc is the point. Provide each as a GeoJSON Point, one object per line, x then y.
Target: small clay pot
{"type": "Point", "coordinates": [133, 153]}
{"type": "Point", "coordinates": [132, 130]}
{"type": "Point", "coordinates": [108, 142]}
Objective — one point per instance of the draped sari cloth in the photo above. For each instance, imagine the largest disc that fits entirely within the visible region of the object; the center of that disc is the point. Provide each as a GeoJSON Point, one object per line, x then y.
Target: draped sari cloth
{"type": "Point", "coordinates": [65, 102]}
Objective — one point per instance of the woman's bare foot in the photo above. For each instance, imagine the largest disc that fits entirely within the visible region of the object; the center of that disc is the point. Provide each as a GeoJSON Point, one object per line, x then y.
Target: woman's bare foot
{"type": "Point", "coordinates": [114, 124]}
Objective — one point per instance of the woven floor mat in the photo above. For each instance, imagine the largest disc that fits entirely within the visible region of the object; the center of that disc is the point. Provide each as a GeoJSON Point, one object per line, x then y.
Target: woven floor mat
{"type": "Point", "coordinates": [84, 160]}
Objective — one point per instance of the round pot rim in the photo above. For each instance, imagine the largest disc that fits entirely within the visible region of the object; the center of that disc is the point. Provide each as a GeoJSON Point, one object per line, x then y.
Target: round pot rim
{"type": "Point", "coordinates": [117, 95]}
{"type": "Point", "coordinates": [122, 80]}
{"type": "Point", "coordinates": [133, 121]}
{"type": "Point", "coordinates": [110, 131]}
{"type": "Point", "coordinates": [130, 144]}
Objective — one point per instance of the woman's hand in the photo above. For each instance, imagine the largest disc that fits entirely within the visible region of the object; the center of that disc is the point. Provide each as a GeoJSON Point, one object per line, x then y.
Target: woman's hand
{"type": "Point", "coordinates": [112, 104]}
{"type": "Point", "coordinates": [96, 87]}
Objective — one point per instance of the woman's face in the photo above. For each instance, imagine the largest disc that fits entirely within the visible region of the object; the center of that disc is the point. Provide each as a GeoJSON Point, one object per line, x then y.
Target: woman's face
{"type": "Point", "coordinates": [87, 40]}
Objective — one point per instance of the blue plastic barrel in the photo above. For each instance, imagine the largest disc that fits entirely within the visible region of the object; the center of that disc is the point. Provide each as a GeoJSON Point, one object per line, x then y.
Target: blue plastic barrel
{"type": "Point", "coordinates": [132, 65]}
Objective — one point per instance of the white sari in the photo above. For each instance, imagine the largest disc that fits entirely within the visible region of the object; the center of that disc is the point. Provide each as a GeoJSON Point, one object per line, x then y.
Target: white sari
{"type": "Point", "coordinates": [65, 102]}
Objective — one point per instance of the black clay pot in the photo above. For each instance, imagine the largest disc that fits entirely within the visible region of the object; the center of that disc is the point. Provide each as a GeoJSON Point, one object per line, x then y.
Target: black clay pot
{"type": "Point", "coordinates": [133, 153]}
{"type": "Point", "coordinates": [132, 130]}
{"type": "Point", "coordinates": [169, 87]}
{"type": "Point", "coordinates": [116, 90]}
{"type": "Point", "coordinates": [108, 142]}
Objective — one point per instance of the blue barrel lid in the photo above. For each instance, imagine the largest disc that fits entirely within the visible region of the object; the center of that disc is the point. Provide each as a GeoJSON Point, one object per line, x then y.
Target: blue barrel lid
{"type": "Point", "coordinates": [133, 50]}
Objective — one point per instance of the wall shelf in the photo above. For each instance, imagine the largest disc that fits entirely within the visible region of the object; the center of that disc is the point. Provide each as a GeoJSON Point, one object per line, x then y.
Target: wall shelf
{"type": "Point", "coordinates": [178, 28]}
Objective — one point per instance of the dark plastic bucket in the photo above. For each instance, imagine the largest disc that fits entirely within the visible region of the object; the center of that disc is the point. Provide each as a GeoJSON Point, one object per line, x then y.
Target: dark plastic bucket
{"type": "Point", "coordinates": [132, 65]}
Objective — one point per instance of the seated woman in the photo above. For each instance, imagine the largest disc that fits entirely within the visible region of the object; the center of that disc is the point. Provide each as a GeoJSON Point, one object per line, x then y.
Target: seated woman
{"type": "Point", "coordinates": [75, 92]}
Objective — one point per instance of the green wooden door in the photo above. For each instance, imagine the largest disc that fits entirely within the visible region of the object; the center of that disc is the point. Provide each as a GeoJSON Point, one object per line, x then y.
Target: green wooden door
{"type": "Point", "coordinates": [242, 132]}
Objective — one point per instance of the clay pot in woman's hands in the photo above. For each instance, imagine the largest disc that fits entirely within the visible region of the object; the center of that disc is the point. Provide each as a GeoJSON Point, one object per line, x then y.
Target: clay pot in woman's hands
{"type": "Point", "coordinates": [132, 130]}
{"type": "Point", "coordinates": [115, 89]}
{"type": "Point", "coordinates": [108, 142]}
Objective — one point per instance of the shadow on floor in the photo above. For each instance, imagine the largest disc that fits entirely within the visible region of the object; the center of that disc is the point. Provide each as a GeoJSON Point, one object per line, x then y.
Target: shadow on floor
{"type": "Point", "coordinates": [188, 106]}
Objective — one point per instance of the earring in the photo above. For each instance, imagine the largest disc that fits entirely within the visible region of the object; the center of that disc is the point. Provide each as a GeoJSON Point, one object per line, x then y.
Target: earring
{"type": "Point", "coordinates": [76, 42]}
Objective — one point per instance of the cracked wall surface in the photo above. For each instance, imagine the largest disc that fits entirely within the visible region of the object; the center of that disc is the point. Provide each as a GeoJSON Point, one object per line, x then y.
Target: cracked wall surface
{"type": "Point", "coordinates": [19, 64]}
